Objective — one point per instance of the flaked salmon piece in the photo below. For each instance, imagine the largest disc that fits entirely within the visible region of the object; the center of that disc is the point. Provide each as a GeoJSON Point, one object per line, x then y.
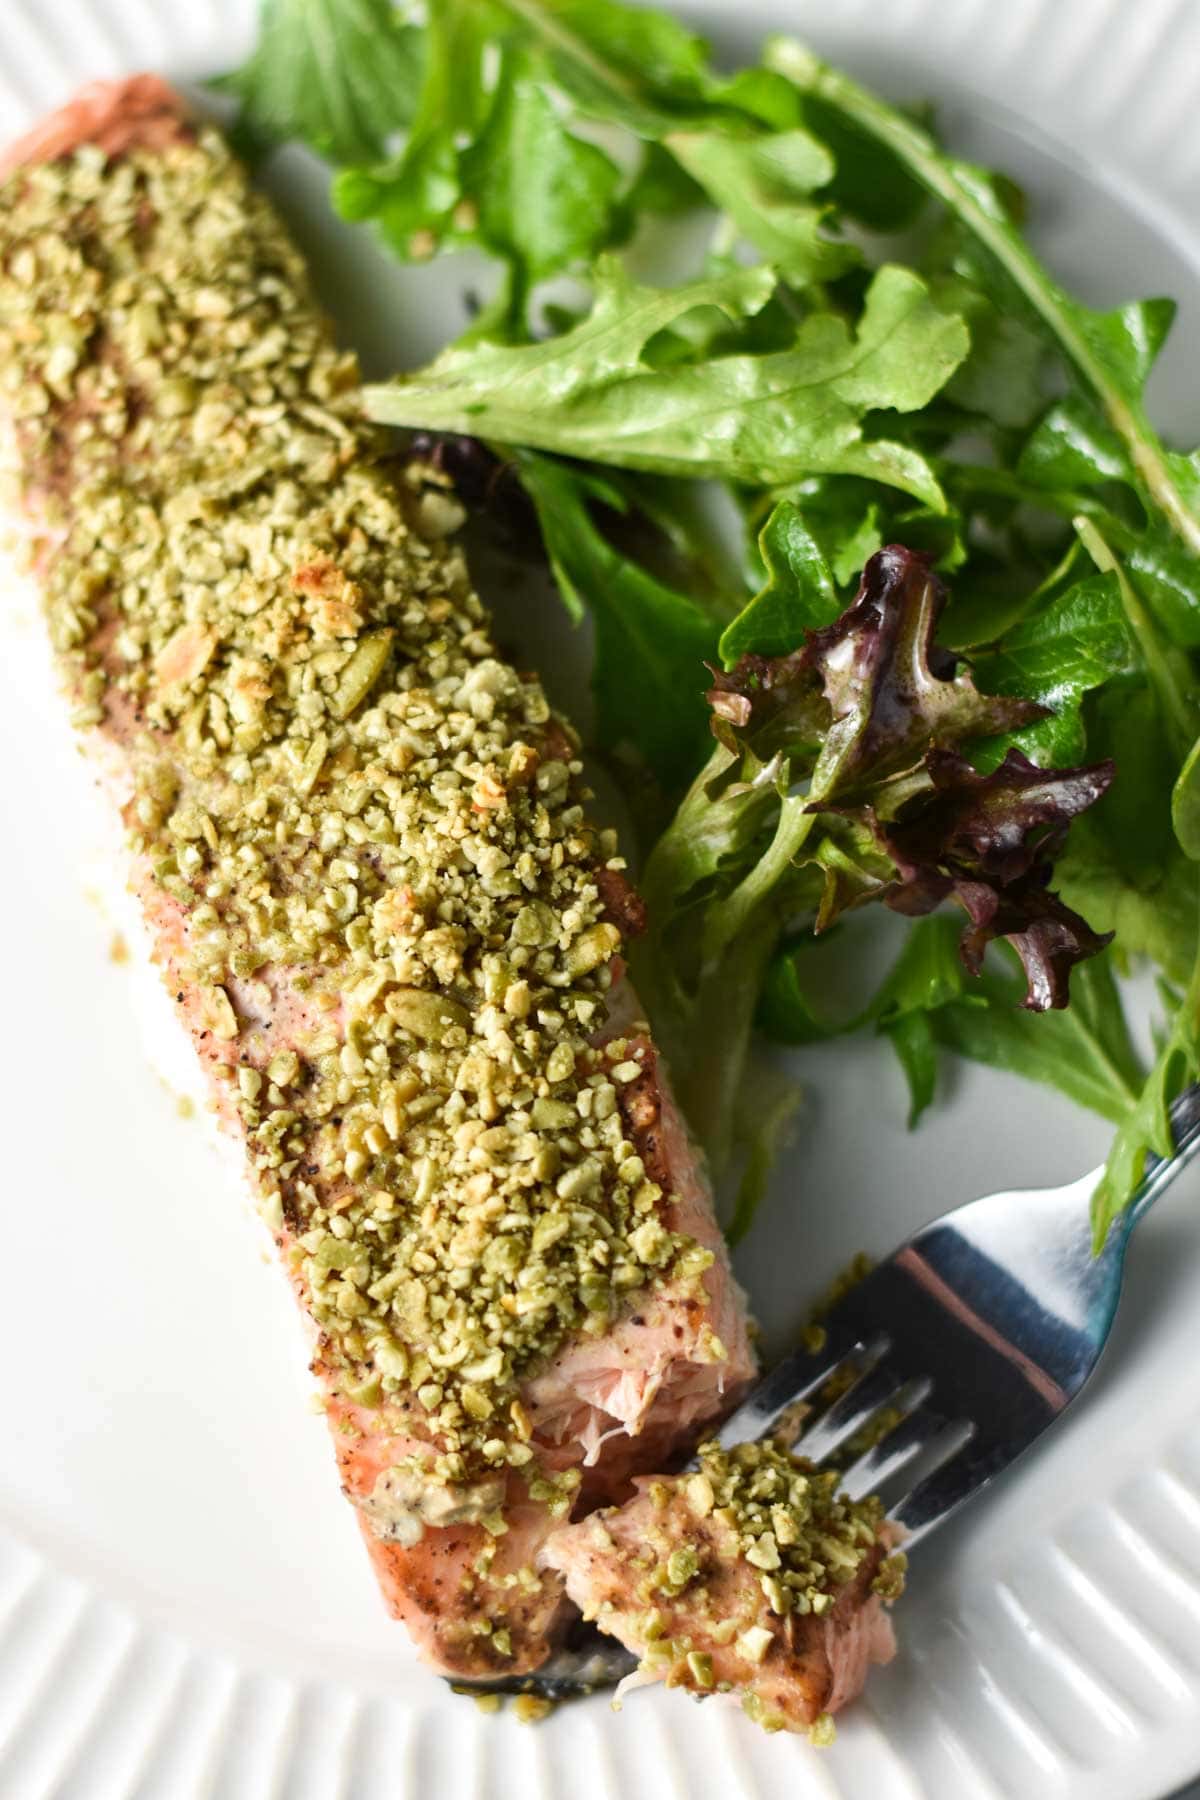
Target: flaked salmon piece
{"type": "Point", "coordinates": [361, 848]}
{"type": "Point", "coordinates": [752, 1578]}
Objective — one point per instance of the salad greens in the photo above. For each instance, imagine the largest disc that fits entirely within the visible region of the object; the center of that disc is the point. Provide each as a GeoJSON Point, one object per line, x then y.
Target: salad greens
{"type": "Point", "coordinates": [611, 390]}
{"type": "Point", "coordinates": [344, 75]}
{"type": "Point", "coordinates": [954, 656]}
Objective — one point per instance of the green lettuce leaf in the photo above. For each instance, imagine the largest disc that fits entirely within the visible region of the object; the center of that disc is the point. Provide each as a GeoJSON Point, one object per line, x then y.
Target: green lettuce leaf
{"type": "Point", "coordinates": [798, 594]}
{"type": "Point", "coordinates": [767, 418]}
{"type": "Point", "coordinates": [413, 196]}
{"type": "Point", "coordinates": [651, 640]}
{"type": "Point", "coordinates": [1074, 644]}
{"type": "Point", "coordinates": [629, 65]}
{"type": "Point", "coordinates": [343, 75]}
{"type": "Point", "coordinates": [765, 184]}
{"type": "Point", "coordinates": [543, 198]}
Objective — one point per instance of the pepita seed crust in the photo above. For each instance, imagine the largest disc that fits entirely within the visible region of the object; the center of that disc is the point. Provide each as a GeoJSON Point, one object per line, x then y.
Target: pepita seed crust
{"type": "Point", "coordinates": [338, 781]}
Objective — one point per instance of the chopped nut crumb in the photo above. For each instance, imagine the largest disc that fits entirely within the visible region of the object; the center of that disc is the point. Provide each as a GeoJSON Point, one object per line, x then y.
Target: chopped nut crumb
{"type": "Point", "coordinates": [531, 1709]}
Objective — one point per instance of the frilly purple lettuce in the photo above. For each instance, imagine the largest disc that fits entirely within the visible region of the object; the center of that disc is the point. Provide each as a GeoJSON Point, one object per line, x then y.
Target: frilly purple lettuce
{"type": "Point", "coordinates": [876, 715]}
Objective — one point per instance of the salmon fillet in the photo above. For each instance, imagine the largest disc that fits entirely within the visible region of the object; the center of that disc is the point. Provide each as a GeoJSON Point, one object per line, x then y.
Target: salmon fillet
{"type": "Point", "coordinates": [753, 1577]}
{"type": "Point", "coordinates": [360, 842]}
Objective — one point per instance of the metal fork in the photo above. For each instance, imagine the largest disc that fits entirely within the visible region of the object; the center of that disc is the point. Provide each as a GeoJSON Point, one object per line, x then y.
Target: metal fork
{"type": "Point", "coordinates": [952, 1358]}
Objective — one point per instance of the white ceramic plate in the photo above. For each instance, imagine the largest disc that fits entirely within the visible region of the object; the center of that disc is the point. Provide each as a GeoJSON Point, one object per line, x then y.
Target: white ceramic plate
{"type": "Point", "coordinates": [185, 1608]}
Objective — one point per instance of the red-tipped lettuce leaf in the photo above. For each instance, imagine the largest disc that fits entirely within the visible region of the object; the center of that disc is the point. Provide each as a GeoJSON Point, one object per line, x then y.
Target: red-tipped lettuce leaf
{"type": "Point", "coordinates": [890, 710]}
{"type": "Point", "coordinates": [990, 842]}
{"type": "Point", "coordinates": [892, 690]}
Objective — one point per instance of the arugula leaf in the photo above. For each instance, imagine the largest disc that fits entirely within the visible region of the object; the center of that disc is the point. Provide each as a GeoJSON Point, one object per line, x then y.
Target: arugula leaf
{"type": "Point", "coordinates": [627, 64]}
{"type": "Point", "coordinates": [662, 185]}
{"type": "Point", "coordinates": [926, 977]}
{"type": "Point", "coordinates": [1110, 353]}
{"type": "Point", "coordinates": [787, 1013]}
{"type": "Point", "coordinates": [797, 596]}
{"type": "Point", "coordinates": [1150, 913]}
{"type": "Point", "coordinates": [868, 184]}
{"type": "Point", "coordinates": [766, 1110]}
{"type": "Point", "coordinates": [600, 351]}
{"type": "Point", "coordinates": [1164, 572]}
{"type": "Point", "coordinates": [911, 1037]}
{"type": "Point", "coordinates": [766, 418]}
{"type": "Point", "coordinates": [764, 184]}
{"type": "Point", "coordinates": [341, 74]}
{"type": "Point", "coordinates": [1073, 445]}
{"type": "Point", "coordinates": [490, 160]}
{"type": "Point", "coordinates": [850, 519]}
{"type": "Point", "coordinates": [544, 198]}
{"type": "Point", "coordinates": [925, 1005]}
{"type": "Point", "coordinates": [643, 70]}
{"type": "Point", "coordinates": [1002, 378]}
{"type": "Point", "coordinates": [1076, 643]}
{"type": "Point", "coordinates": [1123, 867]}
{"type": "Point", "coordinates": [413, 197]}
{"type": "Point", "coordinates": [1166, 668]}
{"type": "Point", "coordinates": [1085, 1051]}
{"type": "Point", "coordinates": [1125, 723]}
{"type": "Point", "coordinates": [651, 640]}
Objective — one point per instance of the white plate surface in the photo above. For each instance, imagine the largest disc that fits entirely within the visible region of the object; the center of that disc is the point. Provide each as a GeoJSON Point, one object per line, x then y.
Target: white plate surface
{"type": "Point", "coordinates": [185, 1609]}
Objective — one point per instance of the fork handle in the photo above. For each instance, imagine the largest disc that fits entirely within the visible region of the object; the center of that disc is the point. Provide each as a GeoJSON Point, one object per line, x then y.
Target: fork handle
{"type": "Point", "coordinates": [1184, 1113]}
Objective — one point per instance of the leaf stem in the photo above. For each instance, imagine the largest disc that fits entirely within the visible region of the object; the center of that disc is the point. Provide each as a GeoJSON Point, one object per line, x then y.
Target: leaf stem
{"type": "Point", "coordinates": [544, 25]}
{"type": "Point", "coordinates": [728, 918]}
{"type": "Point", "coordinates": [1180, 712]}
{"type": "Point", "coordinates": [720, 1027]}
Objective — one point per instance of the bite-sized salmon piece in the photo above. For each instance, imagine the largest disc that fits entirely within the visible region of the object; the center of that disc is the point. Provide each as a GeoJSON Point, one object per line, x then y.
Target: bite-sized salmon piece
{"type": "Point", "coordinates": [752, 1577]}
{"type": "Point", "coordinates": [361, 843]}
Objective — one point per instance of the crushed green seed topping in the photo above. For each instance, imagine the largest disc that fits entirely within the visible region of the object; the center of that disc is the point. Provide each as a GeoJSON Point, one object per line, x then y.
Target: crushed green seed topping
{"type": "Point", "coordinates": [802, 1536]}
{"type": "Point", "coordinates": [710, 1575]}
{"type": "Point", "coordinates": [531, 1709]}
{"type": "Point", "coordinates": [822, 1732]}
{"type": "Point", "coordinates": [372, 826]}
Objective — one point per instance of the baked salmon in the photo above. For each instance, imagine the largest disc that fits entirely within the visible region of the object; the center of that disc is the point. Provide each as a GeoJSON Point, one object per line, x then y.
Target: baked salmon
{"type": "Point", "coordinates": [361, 844]}
{"type": "Point", "coordinates": [752, 1577]}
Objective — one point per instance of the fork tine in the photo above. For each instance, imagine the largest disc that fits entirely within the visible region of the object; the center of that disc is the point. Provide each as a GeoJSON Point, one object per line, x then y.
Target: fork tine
{"type": "Point", "coordinates": [876, 1388]}
{"type": "Point", "coordinates": [923, 1437]}
{"type": "Point", "coordinates": [794, 1379]}
{"type": "Point", "coordinates": [938, 1493]}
